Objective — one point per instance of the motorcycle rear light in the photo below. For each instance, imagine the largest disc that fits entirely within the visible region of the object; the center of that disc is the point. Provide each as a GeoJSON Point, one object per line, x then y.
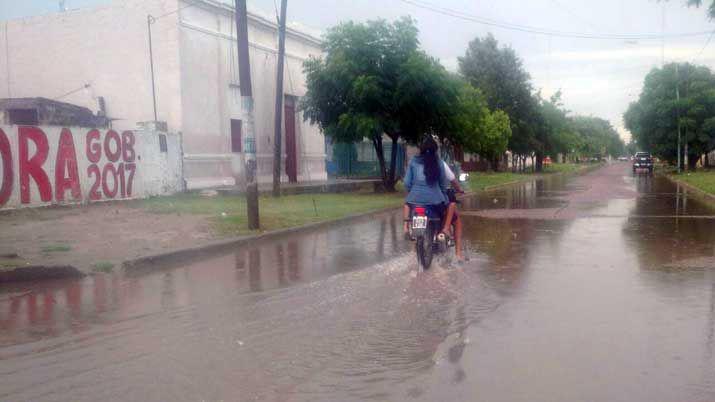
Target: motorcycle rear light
{"type": "Point", "coordinates": [420, 211]}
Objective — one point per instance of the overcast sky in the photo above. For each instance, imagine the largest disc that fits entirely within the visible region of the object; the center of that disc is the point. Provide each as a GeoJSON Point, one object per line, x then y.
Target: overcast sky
{"type": "Point", "coordinates": [597, 77]}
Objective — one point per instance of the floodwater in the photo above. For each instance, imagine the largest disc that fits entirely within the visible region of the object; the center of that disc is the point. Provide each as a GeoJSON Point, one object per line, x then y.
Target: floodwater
{"type": "Point", "coordinates": [596, 288]}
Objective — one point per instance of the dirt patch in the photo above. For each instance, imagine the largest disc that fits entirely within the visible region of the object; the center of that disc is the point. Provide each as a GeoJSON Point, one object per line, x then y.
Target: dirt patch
{"type": "Point", "coordinates": [83, 236]}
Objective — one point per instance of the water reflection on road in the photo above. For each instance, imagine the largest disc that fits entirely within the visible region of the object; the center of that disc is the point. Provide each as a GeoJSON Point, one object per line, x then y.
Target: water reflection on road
{"type": "Point", "coordinates": [592, 288]}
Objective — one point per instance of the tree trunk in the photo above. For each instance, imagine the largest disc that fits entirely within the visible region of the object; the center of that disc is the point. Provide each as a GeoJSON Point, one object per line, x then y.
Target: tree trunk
{"type": "Point", "coordinates": [393, 164]}
{"type": "Point", "coordinates": [495, 163]}
{"type": "Point", "coordinates": [377, 143]}
{"type": "Point", "coordinates": [539, 166]}
{"type": "Point", "coordinates": [706, 162]}
{"type": "Point", "coordinates": [692, 162]}
{"type": "Point", "coordinates": [687, 157]}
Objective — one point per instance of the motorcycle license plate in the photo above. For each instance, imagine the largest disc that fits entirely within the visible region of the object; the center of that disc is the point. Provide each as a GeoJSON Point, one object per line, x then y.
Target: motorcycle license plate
{"type": "Point", "coordinates": [419, 222]}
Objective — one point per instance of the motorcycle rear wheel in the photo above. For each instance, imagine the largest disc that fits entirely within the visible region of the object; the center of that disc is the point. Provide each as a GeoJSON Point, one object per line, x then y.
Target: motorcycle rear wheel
{"type": "Point", "coordinates": [424, 248]}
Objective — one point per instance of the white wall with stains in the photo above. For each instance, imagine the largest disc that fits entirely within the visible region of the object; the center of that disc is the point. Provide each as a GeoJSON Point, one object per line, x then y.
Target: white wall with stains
{"type": "Point", "coordinates": [48, 165]}
{"type": "Point", "coordinates": [208, 50]}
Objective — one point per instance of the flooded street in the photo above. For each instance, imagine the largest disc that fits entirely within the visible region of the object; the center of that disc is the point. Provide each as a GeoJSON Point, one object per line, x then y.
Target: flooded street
{"type": "Point", "coordinates": [591, 288]}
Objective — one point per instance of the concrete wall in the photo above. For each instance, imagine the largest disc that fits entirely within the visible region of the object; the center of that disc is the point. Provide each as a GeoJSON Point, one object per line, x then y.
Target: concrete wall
{"type": "Point", "coordinates": [106, 47]}
{"type": "Point", "coordinates": [196, 74]}
{"type": "Point", "coordinates": [211, 95]}
{"type": "Point", "coordinates": [55, 165]}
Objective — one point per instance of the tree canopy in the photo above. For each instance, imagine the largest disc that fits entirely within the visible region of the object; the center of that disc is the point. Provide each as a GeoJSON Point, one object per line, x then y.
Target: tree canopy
{"type": "Point", "coordinates": [561, 133]}
{"type": "Point", "coordinates": [653, 119]}
{"type": "Point", "coordinates": [499, 74]}
{"type": "Point", "coordinates": [598, 138]}
{"type": "Point", "coordinates": [374, 80]}
{"type": "Point", "coordinates": [698, 3]}
{"type": "Point", "coordinates": [477, 129]}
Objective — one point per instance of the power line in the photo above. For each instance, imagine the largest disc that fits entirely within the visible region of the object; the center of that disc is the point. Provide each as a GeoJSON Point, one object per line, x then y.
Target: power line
{"type": "Point", "coordinates": [700, 53]}
{"type": "Point", "coordinates": [575, 15]}
{"type": "Point", "coordinates": [543, 31]}
{"type": "Point", "coordinates": [608, 72]}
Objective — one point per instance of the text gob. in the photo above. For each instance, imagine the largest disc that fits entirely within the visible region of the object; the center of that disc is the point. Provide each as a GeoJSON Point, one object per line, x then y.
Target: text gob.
{"type": "Point", "coordinates": [105, 170]}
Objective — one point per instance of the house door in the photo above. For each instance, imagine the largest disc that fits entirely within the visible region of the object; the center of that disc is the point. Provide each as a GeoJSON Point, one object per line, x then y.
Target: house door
{"type": "Point", "coordinates": [291, 148]}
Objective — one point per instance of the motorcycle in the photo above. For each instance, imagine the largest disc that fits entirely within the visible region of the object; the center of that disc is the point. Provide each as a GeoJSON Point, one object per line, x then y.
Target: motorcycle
{"type": "Point", "coordinates": [426, 224]}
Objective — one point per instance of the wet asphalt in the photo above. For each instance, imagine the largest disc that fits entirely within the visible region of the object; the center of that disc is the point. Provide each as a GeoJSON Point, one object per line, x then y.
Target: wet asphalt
{"type": "Point", "coordinates": [592, 288]}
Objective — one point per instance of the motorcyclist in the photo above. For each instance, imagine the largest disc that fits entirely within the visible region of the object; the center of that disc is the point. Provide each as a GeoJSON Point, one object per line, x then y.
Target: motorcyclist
{"type": "Point", "coordinates": [426, 182]}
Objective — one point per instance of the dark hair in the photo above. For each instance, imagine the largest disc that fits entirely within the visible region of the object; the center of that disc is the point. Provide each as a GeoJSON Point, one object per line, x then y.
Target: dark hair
{"type": "Point", "coordinates": [430, 160]}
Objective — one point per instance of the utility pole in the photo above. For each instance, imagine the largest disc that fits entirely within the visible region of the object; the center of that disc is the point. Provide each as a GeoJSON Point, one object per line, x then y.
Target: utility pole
{"type": "Point", "coordinates": [662, 39]}
{"type": "Point", "coordinates": [150, 20]}
{"type": "Point", "coordinates": [677, 108]}
{"type": "Point", "coordinates": [249, 142]}
{"type": "Point", "coordinates": [685, 152]}
{"type": "Point", "coordinates": [277, 155]}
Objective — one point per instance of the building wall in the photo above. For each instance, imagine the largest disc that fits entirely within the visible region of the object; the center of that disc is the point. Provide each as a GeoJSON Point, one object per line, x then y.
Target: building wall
{"type": "Point", "coordinates": [196, 74]}
{"type": "Point", "coordinates": [106, 47]}
{"type": "Point", "coordinates": [211, 95]}
{"type": "Point", "coordinates": [48, 165]}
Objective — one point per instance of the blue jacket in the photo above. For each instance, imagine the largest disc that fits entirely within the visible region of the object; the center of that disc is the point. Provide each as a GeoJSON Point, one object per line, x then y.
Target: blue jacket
{"type": "Point", "coordinates": [416, 183]}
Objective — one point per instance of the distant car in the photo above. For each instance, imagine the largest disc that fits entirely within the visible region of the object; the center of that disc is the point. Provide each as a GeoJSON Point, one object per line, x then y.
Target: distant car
{"type": "Point", "coordinates": [547, 161]}
{"type": "Point", "coordinates": [642, 161]}
{"type": "Point", "coordinates": [623, 158]}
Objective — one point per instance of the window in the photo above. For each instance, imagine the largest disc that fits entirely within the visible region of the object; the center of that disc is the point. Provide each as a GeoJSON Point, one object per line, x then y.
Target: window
{"type": "Point", "coordinates": [162, 143]}
{"type": "Point", "coordinates": [235, 135]}
{"type": "Point", "coordinates": [25, 117]}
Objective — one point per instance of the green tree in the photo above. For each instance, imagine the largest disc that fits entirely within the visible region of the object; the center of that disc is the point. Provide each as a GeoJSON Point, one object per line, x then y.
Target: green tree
{"type": "Point", "coordinates": [475, 128]}
{"type": "Point", "coordinates": [499, 74]}
{"type": "Point", "coordinates": [598, 138]}
{"type": "Point", "coordinates": [560, 135]}
{"type": "Point", "coordinates": [373, 80]}
{"type": "Point", "coordinates": [653, 119]}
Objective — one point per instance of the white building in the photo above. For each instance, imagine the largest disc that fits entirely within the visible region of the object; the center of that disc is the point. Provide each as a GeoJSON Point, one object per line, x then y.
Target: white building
{"type": "Point", "coordinates": [86, 56]}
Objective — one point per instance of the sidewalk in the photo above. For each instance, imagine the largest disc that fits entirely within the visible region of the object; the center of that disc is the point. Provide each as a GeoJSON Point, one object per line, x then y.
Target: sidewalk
{"type": "Point", "coordinates": [101, 237]}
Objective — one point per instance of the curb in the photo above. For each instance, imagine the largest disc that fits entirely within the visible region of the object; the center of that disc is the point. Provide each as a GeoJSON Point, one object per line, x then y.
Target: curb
{"type": "Point", "coordinates": [700, 193]}
{"type": "Point", "coordinates": [40, 272]}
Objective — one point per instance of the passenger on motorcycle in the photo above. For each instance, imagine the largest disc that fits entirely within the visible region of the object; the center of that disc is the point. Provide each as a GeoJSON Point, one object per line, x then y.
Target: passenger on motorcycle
{"type": "Point", "coordinates": [426, 181]}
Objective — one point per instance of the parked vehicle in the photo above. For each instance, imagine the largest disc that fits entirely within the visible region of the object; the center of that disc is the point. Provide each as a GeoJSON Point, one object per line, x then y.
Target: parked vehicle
{"type": "Point", "coordinates": [623, 158]}
{"type": "Point", "coordinates": [642, 161]}
{"type": "Point", "coordinates": [427, 221]}
{"type": "Point", "coordinates": [547, 161]}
